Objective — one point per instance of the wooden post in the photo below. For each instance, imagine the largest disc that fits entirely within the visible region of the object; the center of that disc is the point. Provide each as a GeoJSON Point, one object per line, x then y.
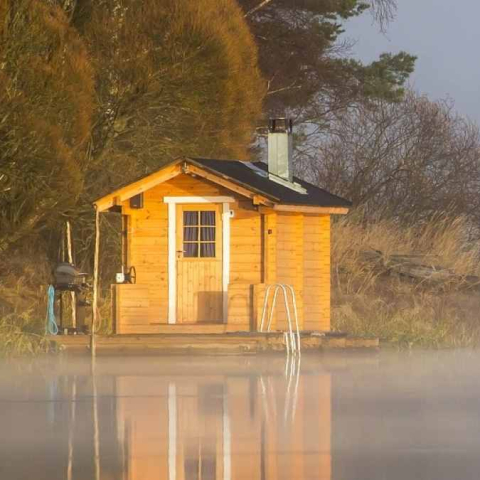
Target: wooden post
{"type": "Point", "coordinates": [71, 428]}
{"type": "Point", "coordinates": [95, 281]}
{"type": "Point", "coordinates": [96, 429]}
{"type": "Point", "coordinates": [70, 260]}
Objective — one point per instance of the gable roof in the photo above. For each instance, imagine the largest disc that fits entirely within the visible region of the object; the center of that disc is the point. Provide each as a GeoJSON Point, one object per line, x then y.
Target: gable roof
{"type": "Point", "coordinates": [247, 176]}
{"type": "Point", "coordinates": [248, 179]}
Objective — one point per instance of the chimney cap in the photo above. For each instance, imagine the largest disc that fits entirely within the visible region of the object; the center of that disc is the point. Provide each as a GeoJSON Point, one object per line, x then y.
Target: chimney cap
{"type": "Point", "coordinates": [280, 125]}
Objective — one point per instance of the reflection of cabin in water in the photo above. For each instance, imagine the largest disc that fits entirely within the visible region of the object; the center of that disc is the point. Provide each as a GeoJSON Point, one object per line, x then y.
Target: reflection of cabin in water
{"type": "Point", "coordinates": [206, 237]}
{"type": "Point", "coordinates": [168, 419]}
{"type": "Point", "coordinates": [234, 426]}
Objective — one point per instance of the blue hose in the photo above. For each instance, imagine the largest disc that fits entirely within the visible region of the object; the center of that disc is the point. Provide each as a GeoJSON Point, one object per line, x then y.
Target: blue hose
{"type": "Point", "coordinates": [51, 327]}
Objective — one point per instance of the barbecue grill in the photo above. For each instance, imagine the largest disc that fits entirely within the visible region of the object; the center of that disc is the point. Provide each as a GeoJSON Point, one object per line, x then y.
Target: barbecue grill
{"type": "Point", "coordinates": [68, 277]}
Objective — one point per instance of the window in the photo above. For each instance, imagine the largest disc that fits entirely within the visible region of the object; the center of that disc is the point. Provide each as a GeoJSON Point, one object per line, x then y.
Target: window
{"type": "Point", "coordinates": [199, 231]}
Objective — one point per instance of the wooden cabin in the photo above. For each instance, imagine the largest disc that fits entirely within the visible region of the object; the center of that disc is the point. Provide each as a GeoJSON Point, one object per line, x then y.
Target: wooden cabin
{"type": "Point", "coordinates": [206, 237]}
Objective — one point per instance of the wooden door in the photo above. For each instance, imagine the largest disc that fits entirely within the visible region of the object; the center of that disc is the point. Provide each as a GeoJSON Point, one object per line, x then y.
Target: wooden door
{"type": "Point", "coordinates": [199, 264]}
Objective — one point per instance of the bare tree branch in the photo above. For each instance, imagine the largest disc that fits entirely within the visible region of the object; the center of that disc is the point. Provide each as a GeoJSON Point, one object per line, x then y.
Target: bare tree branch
{"type": "Point", "coordinates": [406, 160]}
{"type": "Point", "coordinates": [257, 8]}
{"type": "Point", "coordinates": [383, 12]}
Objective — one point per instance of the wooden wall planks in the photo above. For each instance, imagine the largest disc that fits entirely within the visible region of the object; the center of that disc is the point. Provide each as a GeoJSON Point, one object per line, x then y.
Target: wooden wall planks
{"type": "Point", "coordinates": [148, 243]}
{"type": "Point", "coordinates": [281, 247]}
{"type": "Point", "coordinates": [316, 268]}
{"type": "Point", "coordinates": [245, 246]}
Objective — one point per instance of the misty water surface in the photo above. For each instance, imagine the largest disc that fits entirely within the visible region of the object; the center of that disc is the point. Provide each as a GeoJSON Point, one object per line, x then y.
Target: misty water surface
{"type": "Point", "coordinates": [340, 417]}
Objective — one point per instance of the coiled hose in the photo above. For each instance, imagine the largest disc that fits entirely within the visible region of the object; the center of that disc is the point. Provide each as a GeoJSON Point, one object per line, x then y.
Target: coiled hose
{"type": "Point", "coordinates": [51, 327]}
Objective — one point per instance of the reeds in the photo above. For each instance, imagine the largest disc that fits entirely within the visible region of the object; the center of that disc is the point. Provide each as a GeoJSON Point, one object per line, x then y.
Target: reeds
{"type": "Point", "coordinates": [368, 300]}
{"type": "Point", "coordinates": [23, 305]}
{"type": "Point", "coordinates": [17, 337]}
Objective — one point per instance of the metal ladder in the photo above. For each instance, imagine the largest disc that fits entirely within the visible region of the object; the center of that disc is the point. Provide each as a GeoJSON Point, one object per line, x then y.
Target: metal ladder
{"type": "Point", "coordinates": [269, 393]}
{"type": "Point", "coordinates": [292, 340]}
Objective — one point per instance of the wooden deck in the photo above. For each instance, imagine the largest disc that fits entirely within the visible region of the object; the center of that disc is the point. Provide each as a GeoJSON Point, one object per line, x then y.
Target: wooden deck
{"type": "Point", "coordinates": [206, 343]}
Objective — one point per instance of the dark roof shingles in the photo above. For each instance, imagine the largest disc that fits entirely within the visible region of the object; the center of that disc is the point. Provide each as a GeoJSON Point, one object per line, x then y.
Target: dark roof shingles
{"type": "Point", "coordinates": [242, 173]}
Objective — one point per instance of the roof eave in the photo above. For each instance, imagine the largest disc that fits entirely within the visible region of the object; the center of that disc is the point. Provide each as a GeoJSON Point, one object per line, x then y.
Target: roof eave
{"type": "Point", "coordinates": [191, 166]}
{"type": "Point", "coordinates": [307, 209]}
{"type": "Point", "coordinates": [119, 195]}
{"type": "Point", "coordinates": [171, 170]}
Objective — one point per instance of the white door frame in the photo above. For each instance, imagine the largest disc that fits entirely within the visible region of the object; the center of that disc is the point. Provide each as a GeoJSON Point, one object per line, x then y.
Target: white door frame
{"type": "Point", "coordinates": [172, 203]}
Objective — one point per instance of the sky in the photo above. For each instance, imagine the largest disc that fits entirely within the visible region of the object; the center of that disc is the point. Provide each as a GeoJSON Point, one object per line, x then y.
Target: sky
{"type": "Point", "coordinates": [444, 35]}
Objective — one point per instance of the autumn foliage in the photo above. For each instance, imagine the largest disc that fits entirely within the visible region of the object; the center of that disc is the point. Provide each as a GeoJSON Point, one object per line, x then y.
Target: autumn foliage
{"type": "Point", "coordinates": [46, 107]}
{"type": "Point", "coordinates": [94, 95]}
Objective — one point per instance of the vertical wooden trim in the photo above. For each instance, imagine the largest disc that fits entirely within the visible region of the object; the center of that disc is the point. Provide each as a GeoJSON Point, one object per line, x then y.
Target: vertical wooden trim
{"type": "Point", "coordinates": [114, 308]}
{"type": "Point", "coordinates": [327, 272]}
{"type": "Point", "coordinates": [125, 240]}
{"type": "Point", "coordinates": [300, 270]}
{"type": "Point", "coordinates": [269, 254]}
{"type": "Point", "coordinates": [172, 431]}
{"type": "Point", "coordinates": [172, 273]}
{"type": "Point", "coordinates": [226, 257]}
{"type": "Point", "coordinates": [263, 248]}
{"type": "Point", "coordinates": [227, 440]}
{"type": "Point", "coordinates": [271, 248]}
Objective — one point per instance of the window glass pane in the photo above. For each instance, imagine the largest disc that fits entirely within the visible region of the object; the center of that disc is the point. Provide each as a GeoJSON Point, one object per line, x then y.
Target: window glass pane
{"type": "Point", "coordinates": [190, 234]}
{"type": "Point", "coordinates": [190, 218]}
{"type": "Point", "coordinates": [207, 234]}
{"type": "Point", "coordinates": [207, 250]}
{"type": "Point", "coordinates": [190, 250]}
{"type": "Point", "coordinates": [207, 218]}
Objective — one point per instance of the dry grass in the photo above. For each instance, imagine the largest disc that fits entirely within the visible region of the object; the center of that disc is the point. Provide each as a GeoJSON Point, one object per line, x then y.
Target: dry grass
{"type": "Point", "coordinates": [26, 275]}
{"type": "Point", "coordinates": [369, 301]}
{"type": "Point", "coordinates": [420, 319]}
{"type": "Point", "coordinates": [18, 336]}
{"type": "Point", "coordinates": [23, 304]}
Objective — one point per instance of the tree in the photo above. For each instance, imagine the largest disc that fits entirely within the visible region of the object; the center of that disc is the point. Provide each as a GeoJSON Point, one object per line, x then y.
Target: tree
{"type": "Point", "coordinates": [173, 77]}
{"type": "Point", "coordinates": [404, 160]}
{"type": "Point", "coordinates": [46, 105]}
{"type": "Point", "coordinates": [95, 93]}
{"type": "Point", "coordinates": [306, 64]}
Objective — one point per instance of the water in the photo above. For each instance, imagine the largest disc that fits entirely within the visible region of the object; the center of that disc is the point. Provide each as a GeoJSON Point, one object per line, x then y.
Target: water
{"type": "Point", "coordinates": [336, 417]}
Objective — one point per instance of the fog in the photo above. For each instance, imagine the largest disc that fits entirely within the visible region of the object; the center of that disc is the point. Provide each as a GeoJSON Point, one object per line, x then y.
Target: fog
{"type": "Point", "coordinates": [334, 416]}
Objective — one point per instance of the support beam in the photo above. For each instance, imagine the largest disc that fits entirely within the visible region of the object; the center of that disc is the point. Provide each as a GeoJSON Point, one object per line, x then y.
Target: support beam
{"type": "Point", "coordinates": [218, 199]}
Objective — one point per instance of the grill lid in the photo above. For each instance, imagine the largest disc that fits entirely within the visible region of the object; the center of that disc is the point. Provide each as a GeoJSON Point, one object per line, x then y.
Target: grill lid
{"type": "Point", "coordinates": [68, 274]}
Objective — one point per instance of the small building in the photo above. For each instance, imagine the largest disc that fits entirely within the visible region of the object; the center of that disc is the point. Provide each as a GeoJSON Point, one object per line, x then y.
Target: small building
{"type": "Point", "coordinates": [206, 237]}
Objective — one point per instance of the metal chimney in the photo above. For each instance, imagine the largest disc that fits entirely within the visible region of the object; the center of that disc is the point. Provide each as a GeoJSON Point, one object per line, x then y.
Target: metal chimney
{"type": "Point", "coordinates": [280, 148]}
